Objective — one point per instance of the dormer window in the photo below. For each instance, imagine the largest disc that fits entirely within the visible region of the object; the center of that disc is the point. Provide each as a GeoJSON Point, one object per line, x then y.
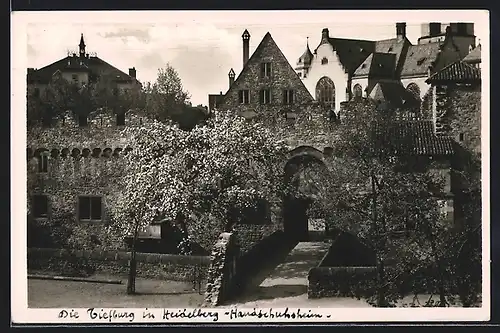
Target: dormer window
{"type": "Point", "coordinates": [421, 61]}
{"type": "Point", "coordinates": [324, 61]}
{"type": "Point", "coordinates": [390, 49]}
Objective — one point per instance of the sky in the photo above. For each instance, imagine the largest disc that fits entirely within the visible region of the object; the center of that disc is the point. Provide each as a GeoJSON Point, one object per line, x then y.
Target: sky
{"type": "Point", "coordinates": [204, 46]}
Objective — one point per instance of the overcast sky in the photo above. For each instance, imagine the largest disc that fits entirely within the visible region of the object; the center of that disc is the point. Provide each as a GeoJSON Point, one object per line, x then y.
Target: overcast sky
{"type": "Point", "coordinates": [203, 46]}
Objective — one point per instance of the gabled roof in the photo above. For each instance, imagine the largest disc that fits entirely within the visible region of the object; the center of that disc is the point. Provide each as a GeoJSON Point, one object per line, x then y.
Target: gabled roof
{"type": "Point", "coordinates": [474, 55]}
{"type": "Point", "coordinates": [258, 50]}
{"type": "Point", "coordinates": [379, 65]}
{"type": "Point", "coordinates": [95, 65]}
{"type": "Point", "coordinates": [393, 93]}
{"type": "Point", "coordinates": [415, 137]}
{"type": "Point", "coordinates": [459, 72]}
{"type": "Point", "coordinates": [351, 52]}
{"type": "Point", "coordinates": [419, 58]}
{"type": "Point", "coordinates": [395, 46]}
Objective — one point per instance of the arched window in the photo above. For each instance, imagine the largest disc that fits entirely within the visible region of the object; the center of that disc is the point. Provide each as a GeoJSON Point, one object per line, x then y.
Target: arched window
{"type": "Point", "coordinates": [357, 91]}
{"type": "Point", "coordinates": [325, 91]}
{"type": "Point", "coordinates": [414, 90]}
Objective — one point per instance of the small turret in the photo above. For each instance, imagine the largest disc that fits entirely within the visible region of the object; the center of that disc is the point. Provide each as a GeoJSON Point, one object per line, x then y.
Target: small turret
{"type": "Point", "coordinates": [82, 47]}
{"type": "Point", "coordinates": [231, 75]}
{"type": "Point", "coordinates": [304, 62]}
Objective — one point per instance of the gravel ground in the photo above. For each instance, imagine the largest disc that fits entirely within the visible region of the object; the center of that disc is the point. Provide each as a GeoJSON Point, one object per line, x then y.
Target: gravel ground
{"type": "Point", "coordinates": [151, 294]}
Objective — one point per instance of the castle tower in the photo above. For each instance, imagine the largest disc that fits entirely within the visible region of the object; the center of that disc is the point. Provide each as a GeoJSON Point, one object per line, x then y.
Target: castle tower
{"type": "Point", "coordinates": [461, 32]}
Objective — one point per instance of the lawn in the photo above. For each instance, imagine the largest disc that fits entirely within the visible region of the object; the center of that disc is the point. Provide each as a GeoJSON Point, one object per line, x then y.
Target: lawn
{"type": "Point", "coordinates": [151, 294]}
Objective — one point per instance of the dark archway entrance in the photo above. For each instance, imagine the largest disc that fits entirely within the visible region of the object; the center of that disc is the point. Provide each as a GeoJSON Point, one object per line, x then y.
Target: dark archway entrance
{"type": "Point", "coordinates": [304, 174]}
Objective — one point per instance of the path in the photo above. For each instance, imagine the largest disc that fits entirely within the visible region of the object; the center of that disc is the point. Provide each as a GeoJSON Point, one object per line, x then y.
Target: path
{"type": "Point", "coordinates": [286, 284]}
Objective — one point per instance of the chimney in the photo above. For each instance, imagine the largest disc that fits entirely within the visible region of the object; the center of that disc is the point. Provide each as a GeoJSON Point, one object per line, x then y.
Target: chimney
{"type": "Point", "coordinates": [246, 46]}
{"type": "Point", "coordinates": [325, 35]}
{"type": "Point", "coordinates": [401, 30]}
{"type": "Point", "coordinates": [231, 75]}
{"type": "Point", "coordinates": [132, 72]}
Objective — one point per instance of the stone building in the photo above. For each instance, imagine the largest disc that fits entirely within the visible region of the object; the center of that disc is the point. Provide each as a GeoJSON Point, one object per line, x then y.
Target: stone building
{"type": "Point", "coordinates": [71, 172]}
{"type": "Point", "coordinates": [81, 69]}
{"type": "Point", "coordinates": [308, 126]}
{"type": "Point", "coordinates": [394, 69]}
{"type": "Point", "coordinates": [456, 111]}
{"type": "Point", "coordinates": [72, 164]}
{"type": "Point", "coordinates": [267, 87]}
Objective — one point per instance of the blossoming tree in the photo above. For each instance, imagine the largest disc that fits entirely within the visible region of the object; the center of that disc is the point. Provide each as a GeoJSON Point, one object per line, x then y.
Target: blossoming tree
{"type": "Point", "coordinates": [197, 178]}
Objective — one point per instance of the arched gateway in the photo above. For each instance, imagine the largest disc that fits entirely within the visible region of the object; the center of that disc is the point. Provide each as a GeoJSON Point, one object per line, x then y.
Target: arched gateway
{"type": "Point", "coordinates": [305, 171]}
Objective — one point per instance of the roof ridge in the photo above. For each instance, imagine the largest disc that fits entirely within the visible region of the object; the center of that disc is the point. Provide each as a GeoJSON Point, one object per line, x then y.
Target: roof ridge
{"type": "Point", "coordinates": [353, 39]}
{"type": "Point", "coordinates": [267, 35]}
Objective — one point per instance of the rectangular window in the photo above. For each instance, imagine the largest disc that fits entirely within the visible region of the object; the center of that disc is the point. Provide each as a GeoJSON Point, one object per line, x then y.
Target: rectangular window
{"type": "Point", "coordinates": [265, 69]}
{"type": "Point", "coordinates": [89, 208]}
{"type": "Point", "coordinates": [288, 97]}
{"type": "Point", "coordinates": [265, 96]}
{"type": "Point", "coordinates": [244, 96]}
{"type": "Point", "coordinates": [75, 78]}
{"type": "Point", "coordinates": [40, 206]}
{"type": "Point", "coordinates": [461, 137]}
{"type": "Point", "coordinates": [43, 163]}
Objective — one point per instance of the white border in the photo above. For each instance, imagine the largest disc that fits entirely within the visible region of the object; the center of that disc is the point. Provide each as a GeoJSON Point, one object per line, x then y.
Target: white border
{"type": "Point", "coordinates": [20, 312]}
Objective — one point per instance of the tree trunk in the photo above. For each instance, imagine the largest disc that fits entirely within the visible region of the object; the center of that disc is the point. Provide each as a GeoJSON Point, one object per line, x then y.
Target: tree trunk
{"type": "Point", "coordinates": [439, 266]}
{"type": "Point", "coordinates": [133, 263]}
{"type": "Point", "coordinates": [381, 297]}
{"type": "Point", "coordinates": [381, 292]}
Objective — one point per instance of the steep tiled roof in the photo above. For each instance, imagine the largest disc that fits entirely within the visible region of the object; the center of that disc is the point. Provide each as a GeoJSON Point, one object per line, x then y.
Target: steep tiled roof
{"type": "Point", "coordinates": [352, 52]}
{"type": "Point", "coordinates": [95, 65]}
{"type": "Point", "coordinates": [419, 58]}
{"type": "Point", "coordinates": [474, 55]}
{"type": "Point", "coordinates": [391, 92]}
{"type": "Point", "coordinates": [414, 137]}
{"type": "Point", "coordinates": [457, 72]}
{"type": "Point", "coordinates": [393, 45]}
{"type": "Point", "coordinates": [379, 65]}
